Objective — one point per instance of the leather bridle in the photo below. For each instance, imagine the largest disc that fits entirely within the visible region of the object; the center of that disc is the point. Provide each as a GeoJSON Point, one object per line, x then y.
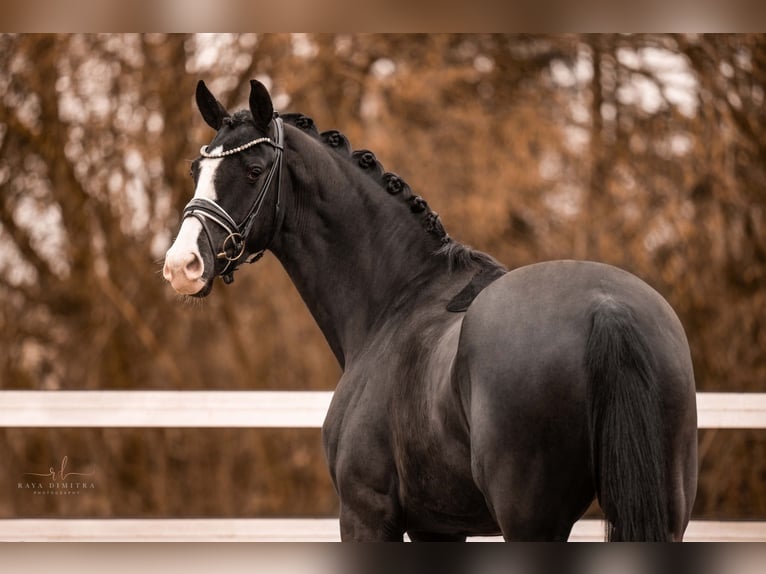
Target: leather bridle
{"type": "Point", "coordinates": [206, 210]}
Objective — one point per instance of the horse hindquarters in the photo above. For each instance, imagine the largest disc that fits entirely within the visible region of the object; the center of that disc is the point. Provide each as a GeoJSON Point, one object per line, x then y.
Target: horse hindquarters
{"type": "Point", "coordinates": [627, 430]}
{"type": "Point", "coordinates": [576, 376]}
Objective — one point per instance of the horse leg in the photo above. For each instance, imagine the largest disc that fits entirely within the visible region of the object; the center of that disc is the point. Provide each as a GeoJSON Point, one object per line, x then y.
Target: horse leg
{"type": "Point", "coordinates": [526, 512]}
{"type": "Point", "coordinates": [362, 525]}
{"type": "Point", "coordinates": [365, 479]}
{"type": "Point", "coordinates": [369, 511]}
{"type": "Point", "coordinates": [534, 495]}
{"type": "Point", "coordinates": [683, 481]}
{"type": "Point", "coordinates": [434, 537]}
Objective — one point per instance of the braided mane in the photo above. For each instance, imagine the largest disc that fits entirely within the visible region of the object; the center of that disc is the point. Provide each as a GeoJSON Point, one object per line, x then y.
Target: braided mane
{"type": "Point", "coordinates": [458, 255]}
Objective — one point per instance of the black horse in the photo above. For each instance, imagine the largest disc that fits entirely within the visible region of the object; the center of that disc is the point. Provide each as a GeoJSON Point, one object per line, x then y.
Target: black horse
{"type": "Point", "coordinates": [473, 400]}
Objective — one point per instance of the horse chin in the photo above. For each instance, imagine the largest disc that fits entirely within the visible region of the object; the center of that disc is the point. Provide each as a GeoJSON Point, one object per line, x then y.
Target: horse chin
{"type": "Point", "coordinates": [205, 291]}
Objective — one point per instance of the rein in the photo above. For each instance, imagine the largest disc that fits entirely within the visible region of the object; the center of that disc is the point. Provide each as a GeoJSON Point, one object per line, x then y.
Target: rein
{"type": "Point", "coordinates": [233, 247]}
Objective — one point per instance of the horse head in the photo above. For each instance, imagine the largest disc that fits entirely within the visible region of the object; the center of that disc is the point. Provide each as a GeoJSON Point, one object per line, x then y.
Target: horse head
{"type": "Point", "coordinates": [235, 213]}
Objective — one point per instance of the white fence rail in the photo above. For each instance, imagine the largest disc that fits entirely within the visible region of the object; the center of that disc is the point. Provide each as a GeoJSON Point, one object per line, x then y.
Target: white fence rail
{"type": "Point", "coordinates": [118, 409]}
{"type": "Point", "coordinates": [259, 409]}
{"type": "Point", "coordinates": [287, 530]}
{"type": "Point", "coordinates": [269, 409]}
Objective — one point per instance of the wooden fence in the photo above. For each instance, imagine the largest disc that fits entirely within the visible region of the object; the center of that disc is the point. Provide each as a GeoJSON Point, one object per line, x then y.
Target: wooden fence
{"type": "Point", "coordinates": [269, 409]}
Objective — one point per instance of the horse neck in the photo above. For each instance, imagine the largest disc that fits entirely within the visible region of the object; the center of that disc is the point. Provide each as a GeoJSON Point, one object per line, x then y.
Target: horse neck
{"type": "Point", "coordinates": [351, 249]}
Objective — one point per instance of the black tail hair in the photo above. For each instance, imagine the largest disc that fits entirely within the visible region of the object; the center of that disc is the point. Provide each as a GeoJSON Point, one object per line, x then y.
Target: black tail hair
{"type": "Point", "coordinates": [627, 446]}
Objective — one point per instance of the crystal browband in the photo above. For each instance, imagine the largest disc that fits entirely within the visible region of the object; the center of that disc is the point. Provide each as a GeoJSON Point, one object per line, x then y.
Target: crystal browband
{"type": "Point", "coordinates": [204, 153]}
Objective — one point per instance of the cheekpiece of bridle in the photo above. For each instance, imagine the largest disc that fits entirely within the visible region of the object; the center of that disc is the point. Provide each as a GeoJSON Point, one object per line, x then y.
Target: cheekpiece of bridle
{"type": "Point", "coordinates": [206, 210]}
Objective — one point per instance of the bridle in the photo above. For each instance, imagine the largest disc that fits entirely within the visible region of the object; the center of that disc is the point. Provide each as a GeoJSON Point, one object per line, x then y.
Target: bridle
{"type": "Point", "coordinates": [206, 210]}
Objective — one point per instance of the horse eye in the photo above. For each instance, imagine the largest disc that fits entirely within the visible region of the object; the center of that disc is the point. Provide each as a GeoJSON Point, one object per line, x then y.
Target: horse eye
{"type": "Point", "coordinates": [253, 173]}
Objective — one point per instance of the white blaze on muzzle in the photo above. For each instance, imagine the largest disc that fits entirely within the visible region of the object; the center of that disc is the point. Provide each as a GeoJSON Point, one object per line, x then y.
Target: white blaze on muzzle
{"type": "Point", "coordinates": [184, 266]}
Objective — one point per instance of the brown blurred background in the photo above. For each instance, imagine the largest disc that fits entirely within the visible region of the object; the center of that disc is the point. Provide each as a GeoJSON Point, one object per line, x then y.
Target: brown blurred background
{"type": "Point", "coordinates": [644, 151]}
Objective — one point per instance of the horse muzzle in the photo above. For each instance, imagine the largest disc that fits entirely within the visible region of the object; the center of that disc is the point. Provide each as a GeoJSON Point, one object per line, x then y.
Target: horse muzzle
{"type": "Point", "coordinates": [184, 272]}
{"type": "Point", "coordinates": [184, 266]}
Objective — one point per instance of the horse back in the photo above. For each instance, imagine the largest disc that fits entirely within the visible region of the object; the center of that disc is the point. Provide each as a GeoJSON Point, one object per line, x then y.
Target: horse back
{"type": "Point", "coordinates": [541, 314]}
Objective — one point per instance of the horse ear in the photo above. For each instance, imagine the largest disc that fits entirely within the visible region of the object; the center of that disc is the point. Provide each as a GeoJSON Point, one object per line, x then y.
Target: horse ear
{"type": "Point", "coordinates": [211, 109]}
{"type": "Point", "coordinates": [260, 105]}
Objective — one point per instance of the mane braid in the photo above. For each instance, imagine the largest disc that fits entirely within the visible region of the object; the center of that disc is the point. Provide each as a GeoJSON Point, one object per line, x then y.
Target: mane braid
{"type": "Point", "coordinates": [458, 256]}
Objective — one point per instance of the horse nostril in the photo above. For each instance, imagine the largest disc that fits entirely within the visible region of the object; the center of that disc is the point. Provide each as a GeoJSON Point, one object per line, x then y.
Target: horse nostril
{"type": "Point", "coordinates": [193, 267]}
{"type": "Point", "coordinates": [167, 271]}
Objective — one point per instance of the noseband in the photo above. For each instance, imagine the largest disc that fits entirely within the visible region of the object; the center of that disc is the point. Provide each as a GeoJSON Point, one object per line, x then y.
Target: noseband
{"type": "Point", "coordinates": [206, 210]}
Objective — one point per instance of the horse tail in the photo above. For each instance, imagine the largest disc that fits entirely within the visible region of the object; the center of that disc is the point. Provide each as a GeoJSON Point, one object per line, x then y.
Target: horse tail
{"type": "Point", "coordinates": [625, 419]}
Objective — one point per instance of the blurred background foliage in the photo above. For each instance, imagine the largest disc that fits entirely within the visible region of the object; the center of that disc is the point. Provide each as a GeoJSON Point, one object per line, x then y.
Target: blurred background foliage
{"type": "Point", "coordinates": [644, 151]}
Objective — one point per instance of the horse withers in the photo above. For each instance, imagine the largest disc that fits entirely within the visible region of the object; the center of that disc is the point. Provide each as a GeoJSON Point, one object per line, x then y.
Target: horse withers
{"type": "Point", "coordinates": [473, 400]}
